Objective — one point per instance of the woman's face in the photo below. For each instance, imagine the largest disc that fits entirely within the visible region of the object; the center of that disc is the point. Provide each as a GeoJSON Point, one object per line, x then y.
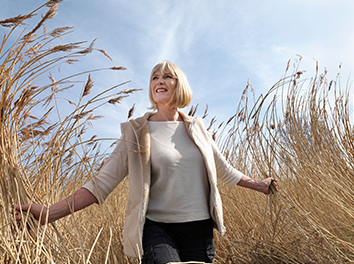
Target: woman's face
{"type": "Point", "coordinates": [162, 86]}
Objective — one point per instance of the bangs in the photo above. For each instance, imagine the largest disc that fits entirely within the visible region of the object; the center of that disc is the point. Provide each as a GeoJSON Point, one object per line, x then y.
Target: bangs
{"type": "Point", "coordinates": [164, 67]}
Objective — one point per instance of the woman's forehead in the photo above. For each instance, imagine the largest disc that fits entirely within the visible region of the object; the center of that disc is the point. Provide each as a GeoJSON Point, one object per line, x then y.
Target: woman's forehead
{"type": "Point", "coordinates": [161, 70]}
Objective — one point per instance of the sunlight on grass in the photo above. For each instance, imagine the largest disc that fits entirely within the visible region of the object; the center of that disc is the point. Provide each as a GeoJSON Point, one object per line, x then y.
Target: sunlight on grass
{"type": "Point", "coordinates": [300, 132]}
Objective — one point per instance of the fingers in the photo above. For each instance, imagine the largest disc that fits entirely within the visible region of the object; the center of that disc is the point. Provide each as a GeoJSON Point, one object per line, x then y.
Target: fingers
{"type": "Point", "coordinates": [16, 210]}
{"type": "Point", "coordinates": [16, 213]}
{"type": "Point", "coordinates": [22, 207]}
{"type": "Point", "coordinates": [274, 182]}
{"type": "Point", "coordinates": [273, 186]}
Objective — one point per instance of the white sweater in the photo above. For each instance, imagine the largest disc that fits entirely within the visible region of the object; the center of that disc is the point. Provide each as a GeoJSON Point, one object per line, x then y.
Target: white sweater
{"type": "Point", "coordinates": [179, 183]}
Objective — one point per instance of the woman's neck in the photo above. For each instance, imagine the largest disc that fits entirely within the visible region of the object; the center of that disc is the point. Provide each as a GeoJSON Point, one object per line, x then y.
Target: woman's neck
{"type": "Point", "coordinates": [170, 115]}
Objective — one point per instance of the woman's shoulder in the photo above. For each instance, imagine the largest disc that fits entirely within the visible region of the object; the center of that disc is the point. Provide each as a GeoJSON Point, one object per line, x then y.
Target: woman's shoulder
{"type": "Point", "coordinates": [136, 123]}
{"type": "Point", "coordinates": [199, 122]}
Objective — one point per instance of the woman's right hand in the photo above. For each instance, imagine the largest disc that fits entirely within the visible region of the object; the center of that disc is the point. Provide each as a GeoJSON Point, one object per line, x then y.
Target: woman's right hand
{"type": "Point", "coordinates": [81, 199]}
{"type": "Point", "coordinates": [39, 212]}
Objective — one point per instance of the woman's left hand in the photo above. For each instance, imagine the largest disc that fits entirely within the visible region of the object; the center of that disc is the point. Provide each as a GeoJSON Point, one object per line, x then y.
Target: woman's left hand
{"type": "Point", "coordinates": [263, 186]}
{"type": "Point", "coordinates": [269, 183]}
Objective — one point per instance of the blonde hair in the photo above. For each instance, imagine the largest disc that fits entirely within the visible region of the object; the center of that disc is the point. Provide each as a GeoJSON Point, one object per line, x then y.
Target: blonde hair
{"type": "Point", "coordinates": [183, 92]}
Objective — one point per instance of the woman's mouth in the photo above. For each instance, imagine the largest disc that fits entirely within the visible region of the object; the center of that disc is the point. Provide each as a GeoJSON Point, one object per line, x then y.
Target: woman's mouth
{"type": "Point", "coordinates": [161, 90]}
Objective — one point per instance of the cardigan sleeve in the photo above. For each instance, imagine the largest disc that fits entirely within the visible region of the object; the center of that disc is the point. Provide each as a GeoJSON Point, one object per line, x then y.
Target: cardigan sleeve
{"type": "Point", "coordinates": [111, 174]}
{"type": "Point", "coordinates": [225, 172]}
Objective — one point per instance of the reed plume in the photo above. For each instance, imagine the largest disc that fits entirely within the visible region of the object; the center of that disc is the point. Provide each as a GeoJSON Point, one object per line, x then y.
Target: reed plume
{"type": "Point", "coordinates": [299, 132]}
{"type": "Point", "coordinates": [45, 156]}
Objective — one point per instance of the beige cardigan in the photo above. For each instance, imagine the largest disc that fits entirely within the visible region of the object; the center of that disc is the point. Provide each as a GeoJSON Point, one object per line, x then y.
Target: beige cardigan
{"type": "Point", "coordinates": [132, 156]}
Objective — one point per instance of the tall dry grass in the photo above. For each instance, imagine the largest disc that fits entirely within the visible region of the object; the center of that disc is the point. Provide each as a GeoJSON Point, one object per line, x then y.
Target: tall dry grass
{"type": "Point", "coordinates": [300, 132]}
{"type": "Point", "coordinates": [46, 156]}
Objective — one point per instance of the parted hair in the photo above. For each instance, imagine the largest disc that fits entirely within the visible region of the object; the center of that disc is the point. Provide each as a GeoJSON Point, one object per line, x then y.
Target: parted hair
{"type": "Point", "coordinates": [183, 92]}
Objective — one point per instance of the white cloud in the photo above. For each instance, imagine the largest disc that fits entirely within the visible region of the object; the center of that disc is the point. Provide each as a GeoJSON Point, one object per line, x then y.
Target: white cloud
{"type": "Point", "coordinates": [219, 44]}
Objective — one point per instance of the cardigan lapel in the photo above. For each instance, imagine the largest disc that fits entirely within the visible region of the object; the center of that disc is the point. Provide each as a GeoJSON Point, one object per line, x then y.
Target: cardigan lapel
{"type": "Point", "coordinates": [188, 122]}
{"type": "Point", "coordinates": [141, 130]}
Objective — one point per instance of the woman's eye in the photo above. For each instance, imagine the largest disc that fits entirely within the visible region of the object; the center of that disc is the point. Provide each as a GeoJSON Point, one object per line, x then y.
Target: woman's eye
{"type": "Point", "coordinates": [154, 78]}
{"type": "Point", "coordinates": [169, 76]}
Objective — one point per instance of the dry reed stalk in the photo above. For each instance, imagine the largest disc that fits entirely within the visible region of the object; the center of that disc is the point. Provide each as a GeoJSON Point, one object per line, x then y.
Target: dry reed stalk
{"type": "Point", "coordinates": [43, 161]}
{"type": "Point", "coordinates": [298, 134]}
{"type": "Point", "coordinates": [294, 133]}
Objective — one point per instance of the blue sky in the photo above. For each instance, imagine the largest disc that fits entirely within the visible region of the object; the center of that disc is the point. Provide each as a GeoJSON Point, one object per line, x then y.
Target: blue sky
{"type": "Point", "coordinates": [220, 45]}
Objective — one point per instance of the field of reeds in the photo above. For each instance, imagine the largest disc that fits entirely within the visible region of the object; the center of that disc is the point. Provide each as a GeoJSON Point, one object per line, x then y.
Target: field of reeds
{"type": "Point", "coordinates": [301, 132]}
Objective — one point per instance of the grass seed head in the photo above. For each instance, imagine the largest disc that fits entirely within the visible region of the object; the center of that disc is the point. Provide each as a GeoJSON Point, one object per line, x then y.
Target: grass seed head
{"type": "Point", "coordinates": [88, 86]}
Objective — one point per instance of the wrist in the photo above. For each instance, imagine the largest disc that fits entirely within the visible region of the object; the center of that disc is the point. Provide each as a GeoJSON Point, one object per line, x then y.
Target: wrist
{"type": "Point", "coordinates": [43, 215]}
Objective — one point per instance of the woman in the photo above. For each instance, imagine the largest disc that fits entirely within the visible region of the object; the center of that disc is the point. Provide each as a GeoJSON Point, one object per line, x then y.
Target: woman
{"type": "Point", "coordinates": [173, 167]}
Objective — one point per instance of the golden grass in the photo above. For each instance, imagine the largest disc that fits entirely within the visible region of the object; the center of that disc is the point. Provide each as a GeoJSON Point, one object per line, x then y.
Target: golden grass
{"type": "Point", "coordinates": [300, 132]}
{"type": "Point", "coordinates": [43, 160]}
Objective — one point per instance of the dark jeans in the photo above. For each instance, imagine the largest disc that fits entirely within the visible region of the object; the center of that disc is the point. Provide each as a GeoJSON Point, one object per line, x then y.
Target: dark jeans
{"type": "Point", "coordinates": [175, 242]}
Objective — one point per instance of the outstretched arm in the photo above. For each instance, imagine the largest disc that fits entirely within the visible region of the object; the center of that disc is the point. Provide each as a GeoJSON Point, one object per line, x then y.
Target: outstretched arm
{"type": "Point", "coordinates": [79, 200]}
{"type": "Point", "coordinates": [257, 185]}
